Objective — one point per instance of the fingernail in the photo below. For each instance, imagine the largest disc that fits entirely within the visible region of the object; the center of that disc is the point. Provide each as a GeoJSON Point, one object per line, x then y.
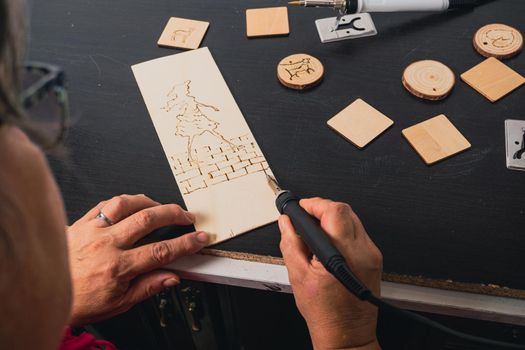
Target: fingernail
{"type": "Point", "coordinates": [202, 237]}
{"type": "Point", "coordinates": [190, 216]}
{"type": "Point", "coordinates": [141, 194]}
{"type": "Point", "coordinates": [170, 282]}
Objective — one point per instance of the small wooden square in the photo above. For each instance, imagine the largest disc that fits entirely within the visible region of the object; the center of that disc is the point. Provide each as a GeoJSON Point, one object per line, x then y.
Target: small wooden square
{"type": "Point", "coordinates": [360, 123]}
{"type": "Point", "coordinates": [493, 79]}
{"type": "Point", "coordinates": [269, 21]}
{"type": "Point", "coordinates": [436, 139]}
{"type": "Point", "coordinates": [183, 33]}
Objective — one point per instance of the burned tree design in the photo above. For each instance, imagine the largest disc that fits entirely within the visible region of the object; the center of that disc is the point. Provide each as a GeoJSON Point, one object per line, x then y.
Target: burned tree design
{"type": "Point", "coordinates": [191, 115]}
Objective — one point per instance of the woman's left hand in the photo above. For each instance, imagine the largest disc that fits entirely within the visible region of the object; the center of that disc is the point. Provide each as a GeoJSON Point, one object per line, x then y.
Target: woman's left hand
{"type": "Point", "coordinates": [109, 275]}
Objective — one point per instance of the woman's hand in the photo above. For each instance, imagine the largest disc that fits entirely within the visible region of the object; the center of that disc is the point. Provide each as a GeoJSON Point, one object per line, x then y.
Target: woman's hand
{"type": "Point", "coordinates": [109, 275]}
{"type": "Point", "coordinates": [336, 319]}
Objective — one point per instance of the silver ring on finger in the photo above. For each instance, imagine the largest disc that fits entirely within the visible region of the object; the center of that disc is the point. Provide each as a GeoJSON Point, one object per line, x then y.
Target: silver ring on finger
{"type": "Point", "coordinates": [103, 217]}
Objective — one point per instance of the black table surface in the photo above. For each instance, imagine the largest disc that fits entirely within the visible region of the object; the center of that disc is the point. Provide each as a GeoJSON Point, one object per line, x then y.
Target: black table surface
{"type": "Point", "coordinates": [462, 219]}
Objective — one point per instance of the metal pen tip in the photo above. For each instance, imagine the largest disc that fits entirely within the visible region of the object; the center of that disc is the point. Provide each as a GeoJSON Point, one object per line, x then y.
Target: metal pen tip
{"type": "Point", "coordinates": [335, 4]}
{"type": "Point", "coordinates": [273, 184]}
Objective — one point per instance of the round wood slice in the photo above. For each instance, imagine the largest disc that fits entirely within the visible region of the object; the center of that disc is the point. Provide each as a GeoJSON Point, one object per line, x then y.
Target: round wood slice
{"type": "Point", "coordinates": [428, 79]}
{"type": "Point", "coordinates": [498, 40]}
{"type": "Point", "coordinates": [300, 71]}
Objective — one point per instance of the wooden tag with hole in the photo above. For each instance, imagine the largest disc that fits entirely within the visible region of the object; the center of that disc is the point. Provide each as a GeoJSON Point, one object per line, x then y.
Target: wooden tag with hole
{"type": "Point", "coordinates": [436, 139]}
{"type": "Point", "coordinates": [493, 79]}
{"type": "Point", "coordinates": [498, 40]}
{"type": "Point", "coordinates": [430, 80]}
{"type": "Point", "coordinates": [360, 123]}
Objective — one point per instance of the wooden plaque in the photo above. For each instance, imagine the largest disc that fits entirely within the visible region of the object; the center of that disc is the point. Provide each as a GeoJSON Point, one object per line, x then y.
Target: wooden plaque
{"type": "Point", "coordinates": [183, 33]}
{"type": "Point", "coordinates": [270, 21]}
{"type": "Point", "coordinates": [219, 168]}
{"type": "Point", "coordinates": [360, 123]}
{"type": "Point", "coordinates": [493, 79]}
{"type": "Point", "coordinates": [436, 139]}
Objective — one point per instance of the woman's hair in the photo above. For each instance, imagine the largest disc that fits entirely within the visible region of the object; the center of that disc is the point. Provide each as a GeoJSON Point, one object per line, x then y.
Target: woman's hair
{"type": "Point", "coordinates": [12, 41]}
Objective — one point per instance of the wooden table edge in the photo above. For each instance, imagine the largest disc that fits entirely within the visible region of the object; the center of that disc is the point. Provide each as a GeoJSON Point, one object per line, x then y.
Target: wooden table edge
{"type": "Point", "coordinates": [482, 302]}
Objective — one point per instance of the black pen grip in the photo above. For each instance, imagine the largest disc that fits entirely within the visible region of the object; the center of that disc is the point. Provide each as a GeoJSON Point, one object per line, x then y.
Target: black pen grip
{"type": "Point", "coordinates": [319, 243]}
{"type": "Point", "coordinates": [307, 227]}
{"type": "Point", "coordinates": [462, 4]}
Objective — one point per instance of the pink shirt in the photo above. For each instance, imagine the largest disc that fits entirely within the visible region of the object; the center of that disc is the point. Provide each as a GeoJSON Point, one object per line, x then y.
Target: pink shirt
{"type": "Point", "coordinates": [84, 341]}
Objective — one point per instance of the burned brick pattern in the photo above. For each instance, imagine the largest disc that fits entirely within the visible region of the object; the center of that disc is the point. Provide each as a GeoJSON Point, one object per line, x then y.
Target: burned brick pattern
{"type": "Point", "coordinates": [215, 165]}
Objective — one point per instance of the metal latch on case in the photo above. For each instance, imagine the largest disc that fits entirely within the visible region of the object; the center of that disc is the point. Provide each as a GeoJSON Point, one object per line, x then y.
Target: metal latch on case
{"type": "Point", "coordinates": [515, 144]}
{"type": "Point", "coordinates": [347, 27]}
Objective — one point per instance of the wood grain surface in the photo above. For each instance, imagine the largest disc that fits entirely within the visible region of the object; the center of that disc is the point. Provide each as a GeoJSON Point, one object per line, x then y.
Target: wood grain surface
{"type": "Point", "coordinates": [461, 220]}
{"type": "Point", "coordinates": [436, 139]}
{"type": "Point", "coordinates": [493, 79]}
{"type": "Point", "coordinates": [269, 21]}
{"type": "Point", "coordinates": [360, 123]}
{"type": "Point", "coordinates": [428, 79]}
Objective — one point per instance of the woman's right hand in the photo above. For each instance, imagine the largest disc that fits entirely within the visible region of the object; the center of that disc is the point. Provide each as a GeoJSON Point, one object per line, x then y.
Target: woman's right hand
{"type": "Point", "coordinates": [336, 319]}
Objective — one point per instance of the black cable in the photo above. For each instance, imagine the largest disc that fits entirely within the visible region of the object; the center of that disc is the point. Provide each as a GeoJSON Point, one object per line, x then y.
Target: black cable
{"type": "Point", "coordinates": [342, 272]}
{"type": "Point", "coordinates": [436, 325]}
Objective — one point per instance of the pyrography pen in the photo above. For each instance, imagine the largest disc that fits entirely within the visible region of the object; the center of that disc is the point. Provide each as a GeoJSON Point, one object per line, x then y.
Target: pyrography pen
{"type": "Point", "coordinates": [359, 6]}
{"type": "Point", "coordinates": [317, 240]}
{"type": "Point", "coordinates": [319, 243]}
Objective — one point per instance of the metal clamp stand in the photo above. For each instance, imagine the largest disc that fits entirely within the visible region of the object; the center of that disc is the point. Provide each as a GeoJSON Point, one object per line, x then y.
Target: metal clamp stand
{"type": "Point", "coordinates": [515, 140]}
{"type": "Point", "coordinates": [344, 27]}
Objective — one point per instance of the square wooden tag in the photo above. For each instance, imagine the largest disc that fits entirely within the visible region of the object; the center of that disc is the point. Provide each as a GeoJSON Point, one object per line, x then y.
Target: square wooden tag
{"type": "Point", "coordinates": [493, 79]}
{"type": "Point", "coordinates": [183, 33]}
{"type": "Point", "coordinates": [436, 139]}
{"type": "Point", "coordinates": [270, 21]}
{"type": "Point", "coordinates": [360, 123]}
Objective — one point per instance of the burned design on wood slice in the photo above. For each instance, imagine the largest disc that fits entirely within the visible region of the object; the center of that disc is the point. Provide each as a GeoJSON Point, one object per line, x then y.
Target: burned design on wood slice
{"type": "Point", "coordinates": [500, 37]}
{"type": "Point", "coordinates": [498, 40]}
{"type": "Point", "coordinates": [300, 71]}
{"type": "Point", "coordinates": [299, 67]}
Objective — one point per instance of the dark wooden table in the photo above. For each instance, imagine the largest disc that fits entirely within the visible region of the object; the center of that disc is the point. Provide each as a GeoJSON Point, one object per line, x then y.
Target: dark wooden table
{"type": "Point", "coordinates": [462, 220]}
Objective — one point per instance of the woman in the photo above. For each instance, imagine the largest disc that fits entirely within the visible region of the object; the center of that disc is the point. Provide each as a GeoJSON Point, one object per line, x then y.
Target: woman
{"type": "Point", "coordinates": [53, 277]}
